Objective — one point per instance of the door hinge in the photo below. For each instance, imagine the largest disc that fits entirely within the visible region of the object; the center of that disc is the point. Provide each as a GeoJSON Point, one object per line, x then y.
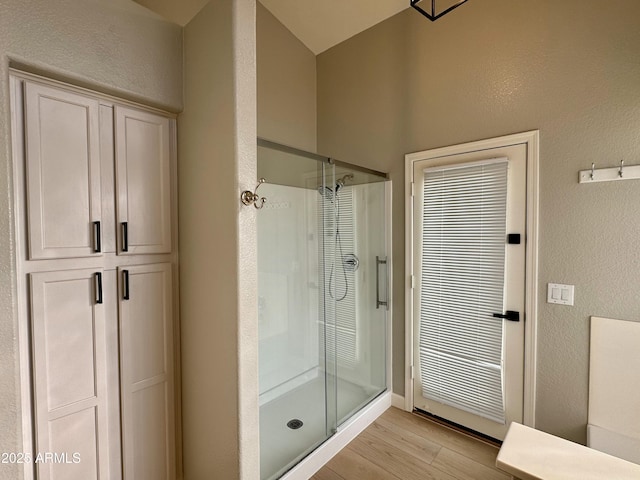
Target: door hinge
{"type": "Point", "coordinates": [413, 189]}
{"type": "Point", "coordinates": [412, 281]}
{"type": "Point", "coordinates": [411, 372]}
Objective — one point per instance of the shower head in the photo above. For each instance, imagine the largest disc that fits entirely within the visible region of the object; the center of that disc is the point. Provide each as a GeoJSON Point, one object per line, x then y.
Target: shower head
{"type": "Point", "coordinates": [329, 192]}
{"type": "Point", "coordinates": [341, 181]}
{"type": "Point", "coordinates": [326, 192]}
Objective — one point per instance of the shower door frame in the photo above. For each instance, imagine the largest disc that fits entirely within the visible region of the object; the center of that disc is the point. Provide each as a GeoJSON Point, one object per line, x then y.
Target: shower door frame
{"type": "Point", "coordinates": [379, 403]}
{"type": "Point", "coordinates": [360, 420]}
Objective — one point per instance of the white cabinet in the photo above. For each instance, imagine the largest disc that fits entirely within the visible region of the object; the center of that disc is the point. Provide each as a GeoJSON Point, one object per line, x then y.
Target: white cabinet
{"type": "Point", "coordinates": [94, 196]}
{"type": "Point", "coordinates": [70, 341]}
{"type": "Point", "coordinates": [143, 181]}
{"type": "Point", "coordinates": [62, 173]}
{"type": "Point", "coordinates": [70, 183]}
{"type": "Point", "coordinates": [146, 365]}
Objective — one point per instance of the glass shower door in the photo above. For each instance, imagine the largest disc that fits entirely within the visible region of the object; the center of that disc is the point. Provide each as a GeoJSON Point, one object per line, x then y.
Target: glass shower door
{"type": "Point", "coordinates": [298, 393]}
{"type": "Point", "coordinates": [357, 286]}
{"type": "Point", "coordinates": [321, 300]}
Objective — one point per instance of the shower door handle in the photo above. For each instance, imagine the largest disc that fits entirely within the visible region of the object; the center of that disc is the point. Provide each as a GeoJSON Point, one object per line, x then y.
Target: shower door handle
{"type": "Point", "coordinates": [385, 303]}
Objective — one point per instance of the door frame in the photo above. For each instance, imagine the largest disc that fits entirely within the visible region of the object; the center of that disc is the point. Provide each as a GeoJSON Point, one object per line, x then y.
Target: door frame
{"type": "Point", "coordinates": [531, 140]}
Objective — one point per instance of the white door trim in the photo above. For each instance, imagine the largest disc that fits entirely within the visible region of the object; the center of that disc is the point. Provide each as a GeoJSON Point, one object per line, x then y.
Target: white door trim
{"type": "Point", "coordinates": [531, 140]}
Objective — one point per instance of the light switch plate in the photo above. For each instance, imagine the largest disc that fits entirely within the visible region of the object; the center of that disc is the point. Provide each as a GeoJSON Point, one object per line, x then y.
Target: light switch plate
{"type": "Point", "coordinates": [560, 294]}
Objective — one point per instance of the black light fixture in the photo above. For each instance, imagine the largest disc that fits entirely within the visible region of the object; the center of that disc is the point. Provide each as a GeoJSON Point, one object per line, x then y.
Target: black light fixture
{"type": "Point", "coordinates": [433, 13]}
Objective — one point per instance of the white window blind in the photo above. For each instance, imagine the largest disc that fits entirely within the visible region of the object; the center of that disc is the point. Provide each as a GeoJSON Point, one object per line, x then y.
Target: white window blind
{"type": "Point", "coordinates": [463, 257]}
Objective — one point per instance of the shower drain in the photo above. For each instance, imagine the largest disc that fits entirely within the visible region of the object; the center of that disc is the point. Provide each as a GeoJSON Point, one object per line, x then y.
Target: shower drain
{"type": "Point", "coordinates": [294, 424]}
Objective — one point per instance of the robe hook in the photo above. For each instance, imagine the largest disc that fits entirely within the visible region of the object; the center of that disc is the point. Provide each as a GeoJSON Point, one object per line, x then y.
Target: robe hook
{"type": "Point", "coordinates": [249, 197]}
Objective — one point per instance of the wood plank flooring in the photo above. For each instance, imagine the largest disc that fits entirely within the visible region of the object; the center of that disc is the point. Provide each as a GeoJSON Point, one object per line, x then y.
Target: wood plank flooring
{"type": "Point", "coordinates": [405, 446]}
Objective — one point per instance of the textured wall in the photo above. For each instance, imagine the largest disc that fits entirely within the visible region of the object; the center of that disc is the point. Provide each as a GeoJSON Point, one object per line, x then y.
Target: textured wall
{"type": "Point", "coordinates": [286, 85]}
{"type": "Point", "coordinates": [114, 46]}
{"type": "Point", "coordinates": [218, 264]}
{"type": "Point", "coordinates": [570, 69]}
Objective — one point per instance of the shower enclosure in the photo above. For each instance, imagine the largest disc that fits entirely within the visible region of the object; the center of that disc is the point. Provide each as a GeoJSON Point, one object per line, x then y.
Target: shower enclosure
{"type": "Point", "coordinates": [322, 300]}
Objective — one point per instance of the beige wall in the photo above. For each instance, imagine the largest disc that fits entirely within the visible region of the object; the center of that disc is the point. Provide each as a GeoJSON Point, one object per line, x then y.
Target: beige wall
{"type": "Point", "coordinates": [218, 263]}
{"type": "Point", "coordinates": [286, 85]}
{"type": "Point", "coordinates": [570, 69]}
{"type": "Point", "coordinates": [114, 46]}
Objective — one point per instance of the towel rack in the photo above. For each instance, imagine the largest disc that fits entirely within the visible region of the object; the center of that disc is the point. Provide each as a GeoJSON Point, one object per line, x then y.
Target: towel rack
{"type": "Point", "coordinates": [621, 172]}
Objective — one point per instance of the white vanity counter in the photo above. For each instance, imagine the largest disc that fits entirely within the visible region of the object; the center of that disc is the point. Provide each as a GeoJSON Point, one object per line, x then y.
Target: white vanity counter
{"type": "Point", "coordinates": [530, 454]}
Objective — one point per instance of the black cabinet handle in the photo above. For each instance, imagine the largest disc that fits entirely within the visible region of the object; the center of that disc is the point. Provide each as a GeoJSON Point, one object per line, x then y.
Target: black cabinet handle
{"type": "Point", "coordinates": [509, 315]}
{"type": "Point", "coordinates": [125, 237]}
{"type": "Point", "coordinates": [98, 277]}
{"type": "Point", "coordinates": [125, 284]}
{"type": "Point", "coordinates": [97, 242]}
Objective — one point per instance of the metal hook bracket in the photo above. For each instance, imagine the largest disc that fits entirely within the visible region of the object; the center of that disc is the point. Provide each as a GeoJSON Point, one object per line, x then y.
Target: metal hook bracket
{"type": "Point", "coordinates": [609, 174]}
{"type": "Point", "coordinates": [252, 198]}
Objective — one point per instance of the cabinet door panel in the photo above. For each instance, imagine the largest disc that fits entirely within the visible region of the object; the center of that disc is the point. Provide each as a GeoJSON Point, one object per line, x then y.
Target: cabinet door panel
{"type": "Point", "coordinates": [146, 346]}
{"type": "Point", "coordinates": [80, 457]}
{"type": "Point", "coordinates": [143, 153]}
{"type": "Point", "coordinates": [62, 172]}
{"type": "Point", "coordinates": [108, 180]}
{"type": "Point", "coordinates": [70, 375]}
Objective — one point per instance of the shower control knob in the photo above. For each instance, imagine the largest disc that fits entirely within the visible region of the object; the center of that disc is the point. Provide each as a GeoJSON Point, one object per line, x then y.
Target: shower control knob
{"type": "Point", "coordinates": [350, 262]}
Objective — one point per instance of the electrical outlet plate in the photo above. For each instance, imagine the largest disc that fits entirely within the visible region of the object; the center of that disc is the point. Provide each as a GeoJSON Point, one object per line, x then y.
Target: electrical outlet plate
{"type": "Point", "coordinates": [560, 294]}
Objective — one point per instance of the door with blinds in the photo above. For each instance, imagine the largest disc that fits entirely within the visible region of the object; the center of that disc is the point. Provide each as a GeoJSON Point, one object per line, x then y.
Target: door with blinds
{"type": "Point", "coordinates": [469, 287]}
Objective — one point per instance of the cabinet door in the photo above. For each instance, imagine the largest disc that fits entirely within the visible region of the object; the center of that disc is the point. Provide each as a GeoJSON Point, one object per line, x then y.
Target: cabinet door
{"type": "Point", "coordinates": [146, 363]}
{"type": "Point", "coordinates": [62, 173]}
{"type": "Point", "coordinates": [143, 181]}
{"type": "Point", "coordinates": [69, 367]}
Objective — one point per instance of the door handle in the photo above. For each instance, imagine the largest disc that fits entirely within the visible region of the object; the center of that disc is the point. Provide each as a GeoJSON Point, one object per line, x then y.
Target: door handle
{"type": "Point", "coordinates": [125, 237]}
{"type": "Point", "coordinates": [510, 315]}
{"type": "Point", "coordinates": [97, 242]}
{"type": "Point", "coordinates": [98, 278]}
{"type": "Point", "coordinates": [125, 284]}
{"type": "Point", "coordinates": [385, 303]}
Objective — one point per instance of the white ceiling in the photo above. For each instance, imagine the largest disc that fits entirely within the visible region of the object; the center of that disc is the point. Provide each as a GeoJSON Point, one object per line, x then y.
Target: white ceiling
{"type": "Point", "coordinates": [319, 24]}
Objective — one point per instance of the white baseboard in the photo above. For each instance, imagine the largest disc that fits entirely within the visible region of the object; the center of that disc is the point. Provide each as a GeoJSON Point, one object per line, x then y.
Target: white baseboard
{"type": "Point", "coordinates": [397, 401]}
{"type": "Point", "coordinates": [347, 432]}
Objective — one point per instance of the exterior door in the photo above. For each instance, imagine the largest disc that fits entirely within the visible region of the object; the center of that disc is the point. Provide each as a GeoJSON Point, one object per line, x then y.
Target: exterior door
{"type": "Point", "coordinates": [469, 287]}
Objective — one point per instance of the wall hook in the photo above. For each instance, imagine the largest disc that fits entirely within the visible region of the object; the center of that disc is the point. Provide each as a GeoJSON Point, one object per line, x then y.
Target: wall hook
{"type": "Point", "coordinates": [610, 174]}
{"type": "Point", "coordinates": [249, 197]}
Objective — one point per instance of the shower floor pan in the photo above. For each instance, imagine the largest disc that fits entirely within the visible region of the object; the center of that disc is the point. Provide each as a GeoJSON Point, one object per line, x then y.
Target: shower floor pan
{"type": "Point", "coordinates": [281, 446]}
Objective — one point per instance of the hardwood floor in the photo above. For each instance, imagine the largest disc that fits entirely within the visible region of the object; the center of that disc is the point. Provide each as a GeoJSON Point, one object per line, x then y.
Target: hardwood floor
{"type": "Point", "coordinates": [405, 446]}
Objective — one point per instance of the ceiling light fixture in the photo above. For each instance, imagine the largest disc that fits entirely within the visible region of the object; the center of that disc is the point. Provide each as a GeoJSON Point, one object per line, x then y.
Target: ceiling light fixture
{"type": "Point", "coordinates": [433, 15]}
